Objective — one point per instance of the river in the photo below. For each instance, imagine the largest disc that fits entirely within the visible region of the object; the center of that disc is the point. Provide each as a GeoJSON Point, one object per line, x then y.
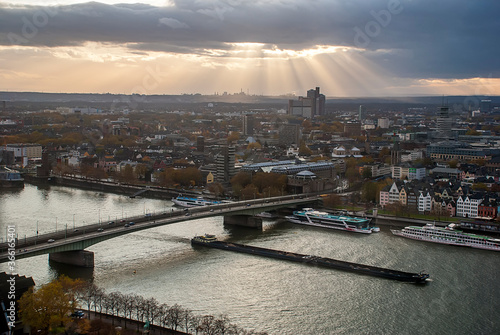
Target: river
{"type": "Point", "coordinates": [269, 295]}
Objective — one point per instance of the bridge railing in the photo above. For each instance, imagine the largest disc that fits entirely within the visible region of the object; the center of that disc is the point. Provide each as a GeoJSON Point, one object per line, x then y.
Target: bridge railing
{"type": "Point", "coordinates": [82, 230]}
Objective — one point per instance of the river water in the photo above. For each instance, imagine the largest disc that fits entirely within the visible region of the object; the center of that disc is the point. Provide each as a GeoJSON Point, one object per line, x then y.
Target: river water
{"type": "Point", "coordinates": [265, 294]}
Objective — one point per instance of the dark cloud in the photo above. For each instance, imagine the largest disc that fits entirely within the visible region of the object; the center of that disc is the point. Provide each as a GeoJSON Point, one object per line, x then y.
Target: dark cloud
{"type": "Point", "coordinates": [414, 39]}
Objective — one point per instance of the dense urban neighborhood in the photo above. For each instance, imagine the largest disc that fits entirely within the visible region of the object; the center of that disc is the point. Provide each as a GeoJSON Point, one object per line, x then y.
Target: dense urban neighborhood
{"type": "Point", "coordinates": [423, 158]}
{"type": "Point", "coordinates": [436, 160]}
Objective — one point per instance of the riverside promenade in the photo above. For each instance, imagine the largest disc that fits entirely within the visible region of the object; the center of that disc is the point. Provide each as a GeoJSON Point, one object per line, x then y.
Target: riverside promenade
{"type": "Point", "coordinates": [105, 322]}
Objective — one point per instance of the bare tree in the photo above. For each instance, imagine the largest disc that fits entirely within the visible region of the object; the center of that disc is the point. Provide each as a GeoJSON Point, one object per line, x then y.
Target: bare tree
{"type": "Point", "coordinates": [98, 300]}
{"type": "Point", "coordinates": [138, 304]}
{"type": "Point", "coordinates": [87, 294]}
{"type": "Point", "coordinates": [128, 306]}
{"type": "Point", "coordinates": [163, 318]}
{"type": "Point", "coordinates": [110, 303]}
{"type": "Point", "coordinates": [174, 316]}
{"type": "Point", "coordinates": [222, 325]}
{"type": "Point", "coordinates": [155, 311]}
{"type": "Point", "coordinates": [207, 325]}
{"type": "Point", "coordinates": [187, 316]}
{"type": "Point", "coordinates": [150, 308]}
{"type": "Point", "coordinates": [117, 298]}
{"type": "Point", "coordinates": [195, 323]}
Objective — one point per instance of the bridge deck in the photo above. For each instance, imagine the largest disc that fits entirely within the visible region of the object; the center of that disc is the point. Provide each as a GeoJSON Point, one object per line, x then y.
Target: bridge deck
{"type": "Point", "coordinates": [95, 233]}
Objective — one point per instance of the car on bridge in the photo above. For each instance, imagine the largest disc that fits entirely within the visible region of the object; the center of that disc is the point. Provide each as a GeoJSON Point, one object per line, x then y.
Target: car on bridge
{"type": "Point", "coordinates": [51, 240]}
{"type": "Point", "coordinates": [100, 229]}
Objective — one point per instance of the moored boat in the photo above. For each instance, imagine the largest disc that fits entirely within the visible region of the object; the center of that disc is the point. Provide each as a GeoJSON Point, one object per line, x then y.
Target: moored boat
{"type": "Point", "coordinates": [212, 242]}
{"type": "Point", "coordinates": [448, 235]}
{"type": "Point", "coordinates": [10, 178]}
{"type": "Point", "coordinates": [311, 217]}
{"type": "Point", "coordinates": [184, 201]}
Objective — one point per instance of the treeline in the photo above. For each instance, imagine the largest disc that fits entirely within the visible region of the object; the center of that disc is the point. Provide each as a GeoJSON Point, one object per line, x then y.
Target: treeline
{"type": "Point", "coordinates": [260, 185]}
{"type": "Point", "coordinates": [47, 310]}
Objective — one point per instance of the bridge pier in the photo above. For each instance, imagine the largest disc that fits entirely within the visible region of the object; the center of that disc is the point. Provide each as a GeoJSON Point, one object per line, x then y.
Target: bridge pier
{"type": "Point", "coordinates": [244, 221]}
{"type": "Point", "coordinates": [81, 258]}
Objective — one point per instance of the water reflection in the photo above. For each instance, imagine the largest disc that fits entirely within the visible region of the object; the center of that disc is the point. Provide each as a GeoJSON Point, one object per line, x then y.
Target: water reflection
{"type": "Point", "coordinates": [57, 269]}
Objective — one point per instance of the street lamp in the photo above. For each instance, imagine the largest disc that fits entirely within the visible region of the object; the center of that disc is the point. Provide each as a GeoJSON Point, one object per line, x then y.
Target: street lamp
{"type": "Point", "coordinates": [73, 221]}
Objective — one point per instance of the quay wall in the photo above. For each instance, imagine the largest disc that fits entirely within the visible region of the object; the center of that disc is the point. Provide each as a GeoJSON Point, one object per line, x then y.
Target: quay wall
{"type": "Point", "coordinates": [385, 220]}
{"type": "Point", "coordinates": [111, 187]}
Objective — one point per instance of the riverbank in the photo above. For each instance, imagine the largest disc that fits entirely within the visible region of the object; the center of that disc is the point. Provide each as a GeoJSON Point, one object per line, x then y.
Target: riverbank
{"type": "Point", "coordinates": [104, 323]}
{"type": "Point", "coordinates": [155, 192]}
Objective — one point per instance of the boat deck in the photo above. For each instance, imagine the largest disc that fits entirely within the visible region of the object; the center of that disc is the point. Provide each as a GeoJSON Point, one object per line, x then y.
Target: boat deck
{"type": "Point", "coordinates": [310, 259]}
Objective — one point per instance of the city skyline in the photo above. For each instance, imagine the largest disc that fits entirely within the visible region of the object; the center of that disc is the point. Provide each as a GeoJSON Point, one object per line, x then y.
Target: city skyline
{"type": "Point", "coordinates": [263, 47]}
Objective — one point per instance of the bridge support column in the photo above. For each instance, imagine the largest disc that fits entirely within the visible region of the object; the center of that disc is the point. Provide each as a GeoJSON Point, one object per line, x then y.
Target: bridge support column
{"type": "Point", "coordinates": [244, 221]}
{"type": "Point", "coordinates": [81, 258]}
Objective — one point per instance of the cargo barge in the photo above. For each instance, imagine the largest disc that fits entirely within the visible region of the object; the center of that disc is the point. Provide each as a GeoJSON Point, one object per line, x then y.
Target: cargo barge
{"type": "Point", "coordinates": [212, 242]}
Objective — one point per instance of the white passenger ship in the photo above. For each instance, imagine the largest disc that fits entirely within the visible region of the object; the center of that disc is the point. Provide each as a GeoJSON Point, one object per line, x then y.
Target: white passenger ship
{"type": "Point", "coordinates": [184, 201]}
{"type": "Point", "coordinates": [448, 235]}
{"type": "Point", "coordinates": [312, 217]}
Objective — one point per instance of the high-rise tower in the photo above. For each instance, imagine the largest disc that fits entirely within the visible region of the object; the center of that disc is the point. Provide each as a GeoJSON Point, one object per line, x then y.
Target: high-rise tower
{"type": "Point", "coordinates": [311, 105]}
{"type": "Point", "coordinates": [444, 122]}
{"type": "Point", "coordinates": [225, 165]}
{"type": "Point", "coordinates": [248, 125]}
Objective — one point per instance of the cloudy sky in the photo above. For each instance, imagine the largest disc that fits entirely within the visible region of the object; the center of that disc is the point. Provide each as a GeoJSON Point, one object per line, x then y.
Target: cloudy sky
{"type": "Point", "coordinates": [347, 47]}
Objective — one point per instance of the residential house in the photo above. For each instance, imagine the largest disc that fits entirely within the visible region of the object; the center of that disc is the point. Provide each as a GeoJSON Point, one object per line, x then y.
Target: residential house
{"type": "Point", "coordinates": [451, 207]}
{"type": "Point", "coordinates": [412, 200]}
{"type": "Point", "coordinates": [403, 195]}
{"type": "Point", "coordinates": [394, 193]}
{"type": "Point", "coordinates": [384, 196]}
{"type": "Point", "coordinates": [468, 206]}
{"type": "Point", "coordinates": [424, 201]}
{"type": "Point", "coordinates": [487, 210]}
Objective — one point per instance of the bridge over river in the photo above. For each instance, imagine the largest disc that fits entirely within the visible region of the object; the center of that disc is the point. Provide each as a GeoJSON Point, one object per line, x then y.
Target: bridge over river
{"type": "Point", "coordinates": [68, 246]}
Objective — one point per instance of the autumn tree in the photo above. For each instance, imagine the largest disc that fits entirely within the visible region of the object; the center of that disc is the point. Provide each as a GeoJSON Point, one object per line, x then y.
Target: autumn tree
{"type": "Point", "coordinates": [234, 136]}
{"type": "Point", "coordinates": [239, 181]}
{"type": "Point", "coordinates": [140, 171]}
{"type": "Point", "coordinates": [304, 150]}
{"type": "Point", "coordinates": [367, 172]}
{"type": "Point", "coordinates": [249, 192]}
{"type": "Point", "coordinates": [352, 174]}
{"type": "Point", "coordinates": [49, 307]}
{"type": "Point", "coordinates": [217, 189]}
{"type": "Point", "coordinates": [265, 180]}
{"type": "Point", "coordinates": [189, 176]}
{"type": "Point", "coordinates": [127, 174]}
{"type": "Point", "coordinates": [332, 201]}
{"type": "Point", "coordinates": [166, 177]}
{"type": "Point", "coordinates": [370, 191]}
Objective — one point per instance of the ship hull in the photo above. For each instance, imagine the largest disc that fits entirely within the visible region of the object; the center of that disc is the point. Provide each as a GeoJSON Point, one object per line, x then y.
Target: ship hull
{"type": "Point", "coordinates": [186, 204]}
{"type": "Point", "coordinates": [328, 225]}
{"type": "Point", "coordinates": [315, 260]}
{"type": "Point", "coordinates": [11, 183]}
{"type": "Point", "coordinates": [192, 202]}
{"type": "Point", "coordinates": [458, 242]}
